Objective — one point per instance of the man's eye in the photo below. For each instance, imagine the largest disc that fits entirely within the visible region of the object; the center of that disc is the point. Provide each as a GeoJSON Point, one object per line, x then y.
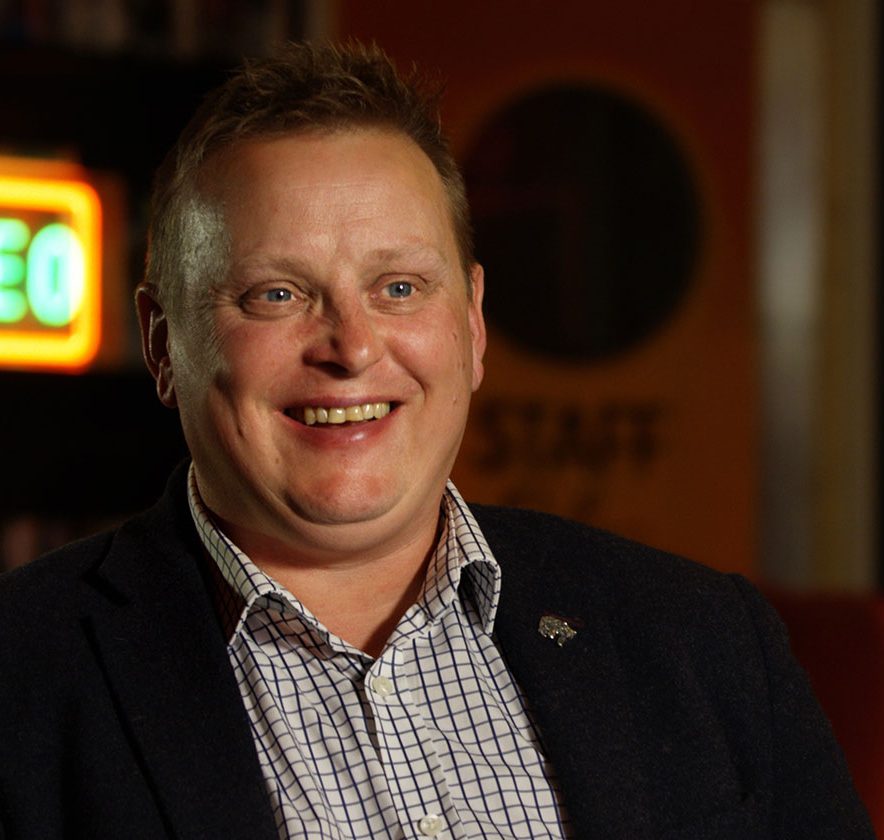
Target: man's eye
{"type": "Point", "coordinates": [400, 289]}
{"type": "Point", "coordinates": [276, 295]}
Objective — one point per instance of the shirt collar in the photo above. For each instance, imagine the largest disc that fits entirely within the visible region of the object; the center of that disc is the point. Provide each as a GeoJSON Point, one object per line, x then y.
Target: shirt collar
{"type": "Point", "coordinates": [462, 552]}
{"type": "Point", "coordinates": [245, 582]}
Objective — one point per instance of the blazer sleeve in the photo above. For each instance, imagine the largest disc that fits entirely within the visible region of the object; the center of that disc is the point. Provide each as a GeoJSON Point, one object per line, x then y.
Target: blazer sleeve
{"type": "Point", "coordinates": [813, 795]}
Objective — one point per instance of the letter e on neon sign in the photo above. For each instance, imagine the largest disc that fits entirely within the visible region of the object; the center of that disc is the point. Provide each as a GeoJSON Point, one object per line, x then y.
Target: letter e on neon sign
{"type": "Point", "coordinates": [50, 273]}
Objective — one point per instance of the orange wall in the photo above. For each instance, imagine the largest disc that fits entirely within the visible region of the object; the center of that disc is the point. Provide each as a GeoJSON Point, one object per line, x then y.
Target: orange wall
{"type": "Point", "coordinates": [687, 479]}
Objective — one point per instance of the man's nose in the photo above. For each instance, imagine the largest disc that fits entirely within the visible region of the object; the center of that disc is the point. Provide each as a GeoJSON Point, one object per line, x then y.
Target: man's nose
{"type": "Point", "coordinates": [348, 342]}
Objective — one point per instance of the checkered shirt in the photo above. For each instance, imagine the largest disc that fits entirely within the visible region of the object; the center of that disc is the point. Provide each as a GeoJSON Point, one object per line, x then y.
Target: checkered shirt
{"type": "Point", "coordinates": [431, 739]}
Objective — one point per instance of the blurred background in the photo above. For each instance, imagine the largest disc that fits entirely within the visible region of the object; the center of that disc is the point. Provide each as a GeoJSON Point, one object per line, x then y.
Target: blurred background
{"type": "Point", "coordinates": [677, 205]}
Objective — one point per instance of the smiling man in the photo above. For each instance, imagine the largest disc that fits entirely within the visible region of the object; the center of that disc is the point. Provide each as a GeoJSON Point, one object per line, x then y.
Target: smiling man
{"type": "Point", "coordinates": [311, 634]}
{"type": "Point", "coordinates": [323, 376]}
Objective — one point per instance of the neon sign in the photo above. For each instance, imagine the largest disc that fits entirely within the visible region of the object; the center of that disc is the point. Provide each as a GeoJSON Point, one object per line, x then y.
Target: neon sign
{"type": "Point", "coordinates": [50, 273]}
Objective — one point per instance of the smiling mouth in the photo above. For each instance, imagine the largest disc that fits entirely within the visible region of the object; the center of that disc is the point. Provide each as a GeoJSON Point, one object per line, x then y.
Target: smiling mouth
{"type": "Point", "coordinates": [315, 415]}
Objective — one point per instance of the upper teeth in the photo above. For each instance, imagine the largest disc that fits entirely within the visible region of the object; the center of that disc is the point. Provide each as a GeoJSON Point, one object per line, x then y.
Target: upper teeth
{"type": "Point", "coordinates": [347, 414]}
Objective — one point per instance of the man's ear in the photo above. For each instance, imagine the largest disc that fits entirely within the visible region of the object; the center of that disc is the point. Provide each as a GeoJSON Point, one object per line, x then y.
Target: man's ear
{"type": "Point", "coordinates": [477, 322]}
{"type": "Point", "coordinates": [155, 342]}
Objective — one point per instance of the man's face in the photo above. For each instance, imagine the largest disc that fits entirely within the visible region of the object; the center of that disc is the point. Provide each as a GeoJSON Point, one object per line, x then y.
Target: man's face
{"type": "Point", "coordinates": [344, 299]}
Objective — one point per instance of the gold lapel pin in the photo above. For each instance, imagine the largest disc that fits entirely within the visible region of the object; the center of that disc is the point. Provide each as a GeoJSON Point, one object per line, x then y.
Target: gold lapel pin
{"type": "Point", "coordinates": [555, 628]}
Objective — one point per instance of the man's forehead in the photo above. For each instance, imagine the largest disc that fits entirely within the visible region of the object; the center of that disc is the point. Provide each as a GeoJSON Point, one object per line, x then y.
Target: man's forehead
{"type": "Point", "coordinates": [388, 167]}
{"type": "Point", "coordinates": [225, 181]}
{"type": "Point", "coordinates": [231, 154]}
{"type": "Point", "coordinates": [410, 256]}
{"type": "Point", "coordinates": [319, 170]}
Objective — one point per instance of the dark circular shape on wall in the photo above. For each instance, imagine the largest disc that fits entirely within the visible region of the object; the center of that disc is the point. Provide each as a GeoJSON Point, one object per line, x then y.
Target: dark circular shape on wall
{"type": "Point", "coordinates": [587, 221]}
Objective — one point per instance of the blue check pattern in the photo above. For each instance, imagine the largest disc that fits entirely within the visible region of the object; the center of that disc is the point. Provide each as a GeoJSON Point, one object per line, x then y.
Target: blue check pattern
{"type": "Point", "coordinates": [431, 739]}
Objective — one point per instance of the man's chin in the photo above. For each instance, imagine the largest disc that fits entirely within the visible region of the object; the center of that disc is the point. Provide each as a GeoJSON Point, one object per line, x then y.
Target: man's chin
{"type": "Point", "coordinates": [340, 512]}
{"type": "Point", "coordinates": [368, 523]}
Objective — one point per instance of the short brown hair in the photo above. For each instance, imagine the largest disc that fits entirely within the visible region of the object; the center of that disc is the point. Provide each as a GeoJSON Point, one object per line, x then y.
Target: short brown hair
{"type": "Point", "coordinates": [302, 87]}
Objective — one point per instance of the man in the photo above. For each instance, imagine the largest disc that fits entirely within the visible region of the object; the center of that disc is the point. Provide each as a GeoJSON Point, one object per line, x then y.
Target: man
{"type": "Point", "coordinates": [312, 635]}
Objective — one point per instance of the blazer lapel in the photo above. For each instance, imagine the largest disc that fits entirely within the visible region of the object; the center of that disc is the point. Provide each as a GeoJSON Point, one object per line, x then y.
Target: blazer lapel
{"type": "Point", "coordinates": [166, 665]}
{"type": "Point", "coordinates": [576, 690]}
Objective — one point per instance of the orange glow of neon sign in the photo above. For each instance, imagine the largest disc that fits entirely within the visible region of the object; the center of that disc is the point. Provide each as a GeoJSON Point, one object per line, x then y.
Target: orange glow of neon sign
{"type": "Point", "coordinates": [50, 272]}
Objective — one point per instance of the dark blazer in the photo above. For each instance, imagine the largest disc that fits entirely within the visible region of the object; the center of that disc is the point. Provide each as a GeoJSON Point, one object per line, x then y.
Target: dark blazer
{"type": "Point", "coordinates": [677, 711]}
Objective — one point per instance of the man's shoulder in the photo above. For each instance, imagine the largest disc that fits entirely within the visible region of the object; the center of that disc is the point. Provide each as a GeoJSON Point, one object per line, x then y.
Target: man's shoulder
{"type": "Point", "coordinates": [55, 580]}
{"type": "Point", "coordinates": [46, 605]}
{"type": "Point", "coordinates": [544, 553]}
{"type": "Point", "coordinates": [581, 548]}
{"type": "Point", "coordinates": [42, 605]}
{"type": "Point", "coordinates": [56, 571]}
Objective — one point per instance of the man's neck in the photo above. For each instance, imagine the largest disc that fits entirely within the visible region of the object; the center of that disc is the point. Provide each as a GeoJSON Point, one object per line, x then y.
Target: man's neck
{"type": "Point", "coordinates": [361, 606]}
{"type": "Point", "coordinates": [360, 597]}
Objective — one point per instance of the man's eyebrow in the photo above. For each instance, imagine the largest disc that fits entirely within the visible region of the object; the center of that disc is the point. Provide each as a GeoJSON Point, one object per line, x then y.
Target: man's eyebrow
{"type": "Point", "coordinates": [284, 264]}
{"type": "Point", "coordinates": [424, 255]}
{"type": "Point", "coordinates": [251, 268]}
{"type": "Point", "coordinates": [419, 252]}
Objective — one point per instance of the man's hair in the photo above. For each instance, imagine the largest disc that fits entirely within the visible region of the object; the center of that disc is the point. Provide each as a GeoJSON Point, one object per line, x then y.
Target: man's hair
{"type": "Point", "coordinates": [301, 88]}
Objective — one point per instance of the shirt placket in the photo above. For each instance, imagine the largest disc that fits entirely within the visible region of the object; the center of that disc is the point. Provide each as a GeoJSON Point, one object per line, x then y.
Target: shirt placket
{"type": "Point", "coordinates": [415, 775]}
{"type": "Point", "coordinates": [303, 785]}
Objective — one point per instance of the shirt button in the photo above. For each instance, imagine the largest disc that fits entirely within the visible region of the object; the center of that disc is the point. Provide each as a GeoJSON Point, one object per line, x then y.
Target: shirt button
{"type": "Point", "coordinates": [430, 825]}
{"type": "Point", "coordinates": [382, 686]}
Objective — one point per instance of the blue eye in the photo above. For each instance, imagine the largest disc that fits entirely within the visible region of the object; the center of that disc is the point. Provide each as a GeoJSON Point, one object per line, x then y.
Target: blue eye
{"type": "Point", "coordinates": [277, 295]}
{"type": "Point", "coordinates": [400, 289]}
